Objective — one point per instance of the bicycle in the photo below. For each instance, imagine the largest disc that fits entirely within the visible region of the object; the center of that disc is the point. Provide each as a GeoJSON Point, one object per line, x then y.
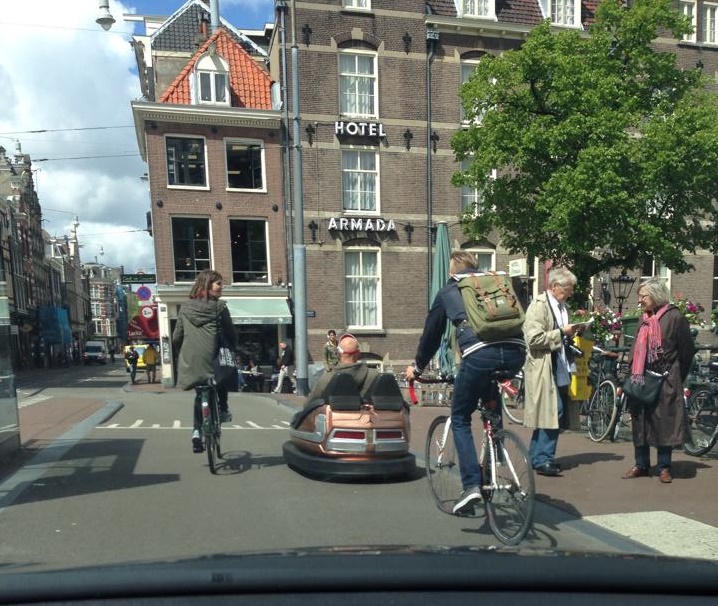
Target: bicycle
{"type": "Point", "coordinates": [513, 397]}
{"type": "Point", "coordinates": [602, 413]}
{"type": "Point", "coordinates": [702, 407]}
{"type": "Point", "coordinates": [211, 431]}
{"type": "Point", "coordinates": [508, 488]}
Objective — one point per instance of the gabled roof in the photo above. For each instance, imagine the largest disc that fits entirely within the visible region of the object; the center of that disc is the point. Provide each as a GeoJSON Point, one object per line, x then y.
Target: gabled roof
{"type": "Point", "coordinates": [250, 86]}
{"type": "Point", "coordinates": [179, 32]}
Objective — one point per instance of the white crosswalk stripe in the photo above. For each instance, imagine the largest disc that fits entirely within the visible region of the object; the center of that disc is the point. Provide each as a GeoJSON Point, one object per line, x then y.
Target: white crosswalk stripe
{"type": "Point", "coordinates": [32, 400]}
{"type": "Point", "coordinates": [177, 424]}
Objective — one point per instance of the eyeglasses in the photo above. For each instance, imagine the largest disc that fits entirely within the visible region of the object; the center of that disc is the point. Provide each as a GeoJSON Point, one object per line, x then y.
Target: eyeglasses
{"type": "Point", "coordinates": [641, 297]}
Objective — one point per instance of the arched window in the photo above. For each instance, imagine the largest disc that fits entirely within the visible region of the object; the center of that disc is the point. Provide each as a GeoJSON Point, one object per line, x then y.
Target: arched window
{"type": "Point", "coordinates": [211, 80]}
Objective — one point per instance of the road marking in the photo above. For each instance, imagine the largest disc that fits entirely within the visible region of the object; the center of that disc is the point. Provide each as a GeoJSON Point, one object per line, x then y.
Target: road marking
{"type": "Point", "coordinates": [178, 425]}
{"type": "Point", "coordinates": [33, 400]}
{"type": "Point", "coordinates": [664, 531]}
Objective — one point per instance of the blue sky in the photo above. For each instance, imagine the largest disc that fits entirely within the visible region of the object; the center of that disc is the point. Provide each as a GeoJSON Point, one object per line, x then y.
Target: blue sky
{"type": "Point", "coordinates": [60, 73]}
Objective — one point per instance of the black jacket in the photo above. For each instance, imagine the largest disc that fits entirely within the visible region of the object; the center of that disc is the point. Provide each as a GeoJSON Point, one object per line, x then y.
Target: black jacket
{"type": "Point", "coordinates": [286, 357]}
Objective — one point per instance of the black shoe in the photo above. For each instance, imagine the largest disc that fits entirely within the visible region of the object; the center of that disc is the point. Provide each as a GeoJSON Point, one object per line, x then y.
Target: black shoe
{"type": "Point", "coordinates": [548, 469]}
{"type": "Point", "coordinates": [196, 442]}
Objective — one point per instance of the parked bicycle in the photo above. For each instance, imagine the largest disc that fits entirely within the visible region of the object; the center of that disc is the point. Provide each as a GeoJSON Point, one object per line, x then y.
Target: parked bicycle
{"type": "Point", "coordinates": [606, 407]}
{"type": "Point", "coordinates": [513, 397]}
{"type": "Point", "coordinates": [508, 489]}
{"type": "Point", "coordinates": [702, 404]}
{"type": "Point", "coordinates": [211, 425]}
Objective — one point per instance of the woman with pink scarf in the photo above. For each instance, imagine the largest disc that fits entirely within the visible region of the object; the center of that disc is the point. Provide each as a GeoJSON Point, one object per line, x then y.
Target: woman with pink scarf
{"type": "Point", "coordinates": [663, 344]}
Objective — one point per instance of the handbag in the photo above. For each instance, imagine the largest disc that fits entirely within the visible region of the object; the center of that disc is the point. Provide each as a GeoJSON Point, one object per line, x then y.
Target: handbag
{"type": "Point", "coordinates": [224, 363]}
{"type": "Point", "coordinates": [645, 394]}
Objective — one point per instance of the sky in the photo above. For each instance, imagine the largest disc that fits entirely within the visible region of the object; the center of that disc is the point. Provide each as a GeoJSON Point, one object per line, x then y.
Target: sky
{"type": "Point", "coordinates": [62, 74]}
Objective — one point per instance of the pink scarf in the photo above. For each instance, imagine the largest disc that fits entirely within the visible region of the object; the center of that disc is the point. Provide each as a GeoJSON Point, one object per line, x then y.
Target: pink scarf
{"type": "Point", "coordinates": [648, 344]}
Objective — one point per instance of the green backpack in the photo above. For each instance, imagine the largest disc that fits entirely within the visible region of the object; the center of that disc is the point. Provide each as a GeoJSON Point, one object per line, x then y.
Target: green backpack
{"type": "Point", "coordinates": [492, 307]}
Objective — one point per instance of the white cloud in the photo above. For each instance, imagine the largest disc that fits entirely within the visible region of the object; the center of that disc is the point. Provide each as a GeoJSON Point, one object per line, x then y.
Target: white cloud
{"type": "Point", "coordinates": [59, 70]}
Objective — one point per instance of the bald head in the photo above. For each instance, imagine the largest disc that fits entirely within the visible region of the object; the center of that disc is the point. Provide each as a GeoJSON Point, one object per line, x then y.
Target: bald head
{"type": "Point", "coordinates": [348, 347]}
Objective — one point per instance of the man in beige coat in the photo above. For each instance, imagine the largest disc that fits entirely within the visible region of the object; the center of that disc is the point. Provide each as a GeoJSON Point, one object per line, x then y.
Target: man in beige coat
{"type": "Point", "coordinates": [547, 372]}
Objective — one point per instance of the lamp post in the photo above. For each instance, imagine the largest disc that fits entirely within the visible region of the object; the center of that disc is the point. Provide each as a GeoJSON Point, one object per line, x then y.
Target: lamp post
{"type": "Point", "coordinates": [622, 286]}
{"type": "Point", "coordinates": [105, 19]}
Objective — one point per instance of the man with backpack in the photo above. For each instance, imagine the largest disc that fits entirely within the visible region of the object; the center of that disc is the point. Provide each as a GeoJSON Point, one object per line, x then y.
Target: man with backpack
{"type": "Point", "coordinates": [486, 318]}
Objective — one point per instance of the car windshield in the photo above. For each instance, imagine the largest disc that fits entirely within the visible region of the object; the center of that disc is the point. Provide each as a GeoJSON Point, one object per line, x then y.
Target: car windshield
{"type": "Point", "coordinates": [309, 361]}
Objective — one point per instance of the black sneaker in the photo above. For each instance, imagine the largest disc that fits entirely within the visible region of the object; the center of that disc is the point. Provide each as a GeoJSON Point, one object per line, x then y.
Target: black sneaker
{"type": "Point", "coordinates": [225, 416]}
{"type": "Point", "coordinates": [196, 442]}
{"type": "Point", "coordinates": [465, 504]}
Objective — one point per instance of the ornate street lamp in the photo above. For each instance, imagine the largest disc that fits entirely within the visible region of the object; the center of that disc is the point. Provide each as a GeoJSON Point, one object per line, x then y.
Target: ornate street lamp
{"type": "Point", "coordinates": [622, 286]}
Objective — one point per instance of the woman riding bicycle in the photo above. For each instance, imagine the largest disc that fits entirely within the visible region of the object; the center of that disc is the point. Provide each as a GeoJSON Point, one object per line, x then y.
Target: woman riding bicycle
{"type": "Point", "coordinates": [199, 323]}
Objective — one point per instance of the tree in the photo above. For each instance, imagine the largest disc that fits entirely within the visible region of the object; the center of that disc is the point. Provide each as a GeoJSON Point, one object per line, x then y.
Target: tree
{"type": "Point", "coordinates": [593, 150]}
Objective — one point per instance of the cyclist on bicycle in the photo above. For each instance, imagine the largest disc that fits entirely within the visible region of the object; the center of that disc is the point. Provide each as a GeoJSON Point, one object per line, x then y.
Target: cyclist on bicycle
{"type": "Point", "coordinates": [199, 322]}
{"type": "Point", "coordinates": [473, 381]}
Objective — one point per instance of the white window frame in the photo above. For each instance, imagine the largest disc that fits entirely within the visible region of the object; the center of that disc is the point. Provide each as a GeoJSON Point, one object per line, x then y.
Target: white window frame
{"type": "Point", "coordinates": [689, 8]}
{"type": "Point", "coordinates": [551, 9]}
{"type": "Point", "coordinates": [178, 162]}
{"type": "Point", "coordinates": [268, 279]}
{"type": "Point", "coordinates": [362, 151]}
{"type": "Point", "coordinates": [710, 23]}
{"type": "Point", "coordinates": [376, 278]}
{"type": "Point", "coordinates": [478, 9]}
{"type": "Point", "coordinates": [247, 143]}
{"type": "Point", "coordinates": [212, 66]}
{"type": "Point", "coordinates": [210, 245]}
{"type": "Point", "coordinates": [658, 270]}
{"type": "Point", "coordinates": [483, 252]}
{"type": "Point", "coordinates": [471, 193]}
{"type": "Point", "coordinates": [357, 5]}
{"type": "Point", "coordinates": [465, 76]}
{"type": "Point", "coordinates": [344, 111]}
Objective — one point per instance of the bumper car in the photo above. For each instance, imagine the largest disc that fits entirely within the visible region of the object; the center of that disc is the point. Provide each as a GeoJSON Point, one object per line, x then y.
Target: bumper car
{"type": "Point", "coordinates": [343, 436]}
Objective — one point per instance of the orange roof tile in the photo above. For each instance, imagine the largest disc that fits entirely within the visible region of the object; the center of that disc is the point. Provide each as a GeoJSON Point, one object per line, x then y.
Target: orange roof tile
{"type": "Point", "coordinates": [250, 85]}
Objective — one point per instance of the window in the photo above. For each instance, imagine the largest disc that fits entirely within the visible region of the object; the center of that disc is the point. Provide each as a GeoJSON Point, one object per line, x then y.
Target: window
{"type": "Point", "coordinates": [357, 84]}
{"type": "Point", "coordinates": [360, 180]}
{"type": "Point", "coordinates": [191, 247]}
{"type": "Point", "coordinates": [715, 282]}
{"type": "Point", "coordinates": [467, 70]}
{"type": "Point", "coordinates": [651, 269]}
{"type": "Point", "coordinates": [485, 258]}
{"type": "Point", "coordinates": [249, 250]}
{"type": "Point", "coordinates": [362, 288]}
{"type": "Point", "coordinates": [211, 80]}
{"type": "Point", "coordinates": [471, 198]}
{"type": "Point", "coordinates": [477, 8]}
{"type": "Point", "coordinates": [245, 165]}
{"type": "Point", "coordinates": [710, 29]}
{"type": "Point", "coordinates": [688, 9]}
{"type": "Point", "coordinates": [563, 12]}
{"type": "Point", "coordinates": [364, 4]}
{"type": "Point", "coordinates": [185, 162]}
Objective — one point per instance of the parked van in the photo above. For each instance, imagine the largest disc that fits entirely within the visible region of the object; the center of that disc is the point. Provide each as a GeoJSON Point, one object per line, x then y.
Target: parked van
{"type": "Point", "coordinates": [95, 351]}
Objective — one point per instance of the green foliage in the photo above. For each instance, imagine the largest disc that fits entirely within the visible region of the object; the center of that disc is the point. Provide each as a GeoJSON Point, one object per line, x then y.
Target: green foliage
{"type": "Point", "coordinates": [602, 149]}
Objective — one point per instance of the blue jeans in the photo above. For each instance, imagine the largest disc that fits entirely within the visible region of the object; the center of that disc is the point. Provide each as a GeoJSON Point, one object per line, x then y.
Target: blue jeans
{"type": "Point", "coordinates": [543, 441]}
{"type": "Point", "coordinates": [643, 457]}
{"type": "Point", "coordinates": [473, 383]}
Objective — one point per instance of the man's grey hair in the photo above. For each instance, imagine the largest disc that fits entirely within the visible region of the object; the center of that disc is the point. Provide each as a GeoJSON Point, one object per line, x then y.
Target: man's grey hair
{"type": "Point", "coordinates": [657, 290]}
{"type": "Point", "coordinates": [561, 277]}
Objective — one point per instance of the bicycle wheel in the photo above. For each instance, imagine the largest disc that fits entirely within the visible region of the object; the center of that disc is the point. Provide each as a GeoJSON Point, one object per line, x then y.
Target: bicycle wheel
{"type": "Point", "coordinates": [602, 410]}
{"type": "Point", "coordinates": [510, 501]}
{"type": "Point", "coordinates": [513, 401]}
{"type": "Point", "coordinates": [702, 419]}
{"type": "Point", "coordinates": [442, 464]}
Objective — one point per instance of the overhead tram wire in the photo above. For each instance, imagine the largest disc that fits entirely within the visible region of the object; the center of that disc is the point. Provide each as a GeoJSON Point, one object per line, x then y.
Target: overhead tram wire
{"type": "Point", "coordinates": [86, 157]}
{"type": "Point", "coordinates": [61, 130]}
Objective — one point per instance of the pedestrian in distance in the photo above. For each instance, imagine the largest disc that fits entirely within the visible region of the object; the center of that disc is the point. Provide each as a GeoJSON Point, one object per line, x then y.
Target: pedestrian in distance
{"type": "Point", "coordinates": [200, 321]}
{"type": "Point", "coordinates": [663, 344]}
{"type": "Point", "coordinates": [549, 364]}
{"type": "Point", "coordinates": [132, 358]}
{"type": "Point", "coordinates": [286, 367]}
{"type": "Point", "coordinates": [149, 358]}
{"type": "Point", "coordinates": [331, 355]}
{"type": "Point", "coordinates": [479, 358]}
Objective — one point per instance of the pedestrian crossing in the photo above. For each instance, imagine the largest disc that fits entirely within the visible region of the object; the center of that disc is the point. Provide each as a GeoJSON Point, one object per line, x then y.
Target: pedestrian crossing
{"type": "Point", "coordinates": [23, 402]}
{"type": "Point", "coordinates": [177, 424]}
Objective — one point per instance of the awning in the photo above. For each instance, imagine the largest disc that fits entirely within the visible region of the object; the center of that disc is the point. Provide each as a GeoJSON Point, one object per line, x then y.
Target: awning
{"type": "Point", "coordinates": [256, 310]}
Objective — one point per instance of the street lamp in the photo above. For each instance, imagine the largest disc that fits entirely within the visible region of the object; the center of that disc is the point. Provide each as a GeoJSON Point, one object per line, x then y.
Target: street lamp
{"type": "Point", "coordinates": [622, 286]}
{"type": "Point", "coordinates": [105, 20]}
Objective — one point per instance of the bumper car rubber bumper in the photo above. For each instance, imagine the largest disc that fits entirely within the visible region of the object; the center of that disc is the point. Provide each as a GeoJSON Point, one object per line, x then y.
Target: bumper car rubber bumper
{"type": "Point", "coordinates": [346, 467]}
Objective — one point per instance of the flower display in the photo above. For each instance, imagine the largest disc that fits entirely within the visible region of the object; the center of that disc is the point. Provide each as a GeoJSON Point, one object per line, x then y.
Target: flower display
{"type": "Point", "coordinates": [604, 322]}
{"type": "Point", "coordinates": [690, 310]}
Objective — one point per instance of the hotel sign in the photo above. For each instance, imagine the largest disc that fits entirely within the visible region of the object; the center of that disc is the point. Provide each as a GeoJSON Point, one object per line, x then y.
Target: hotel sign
{"type": "Point", "coordinates": [361, 224]}
{"type": "Point", "coordinates": [359, 129]}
